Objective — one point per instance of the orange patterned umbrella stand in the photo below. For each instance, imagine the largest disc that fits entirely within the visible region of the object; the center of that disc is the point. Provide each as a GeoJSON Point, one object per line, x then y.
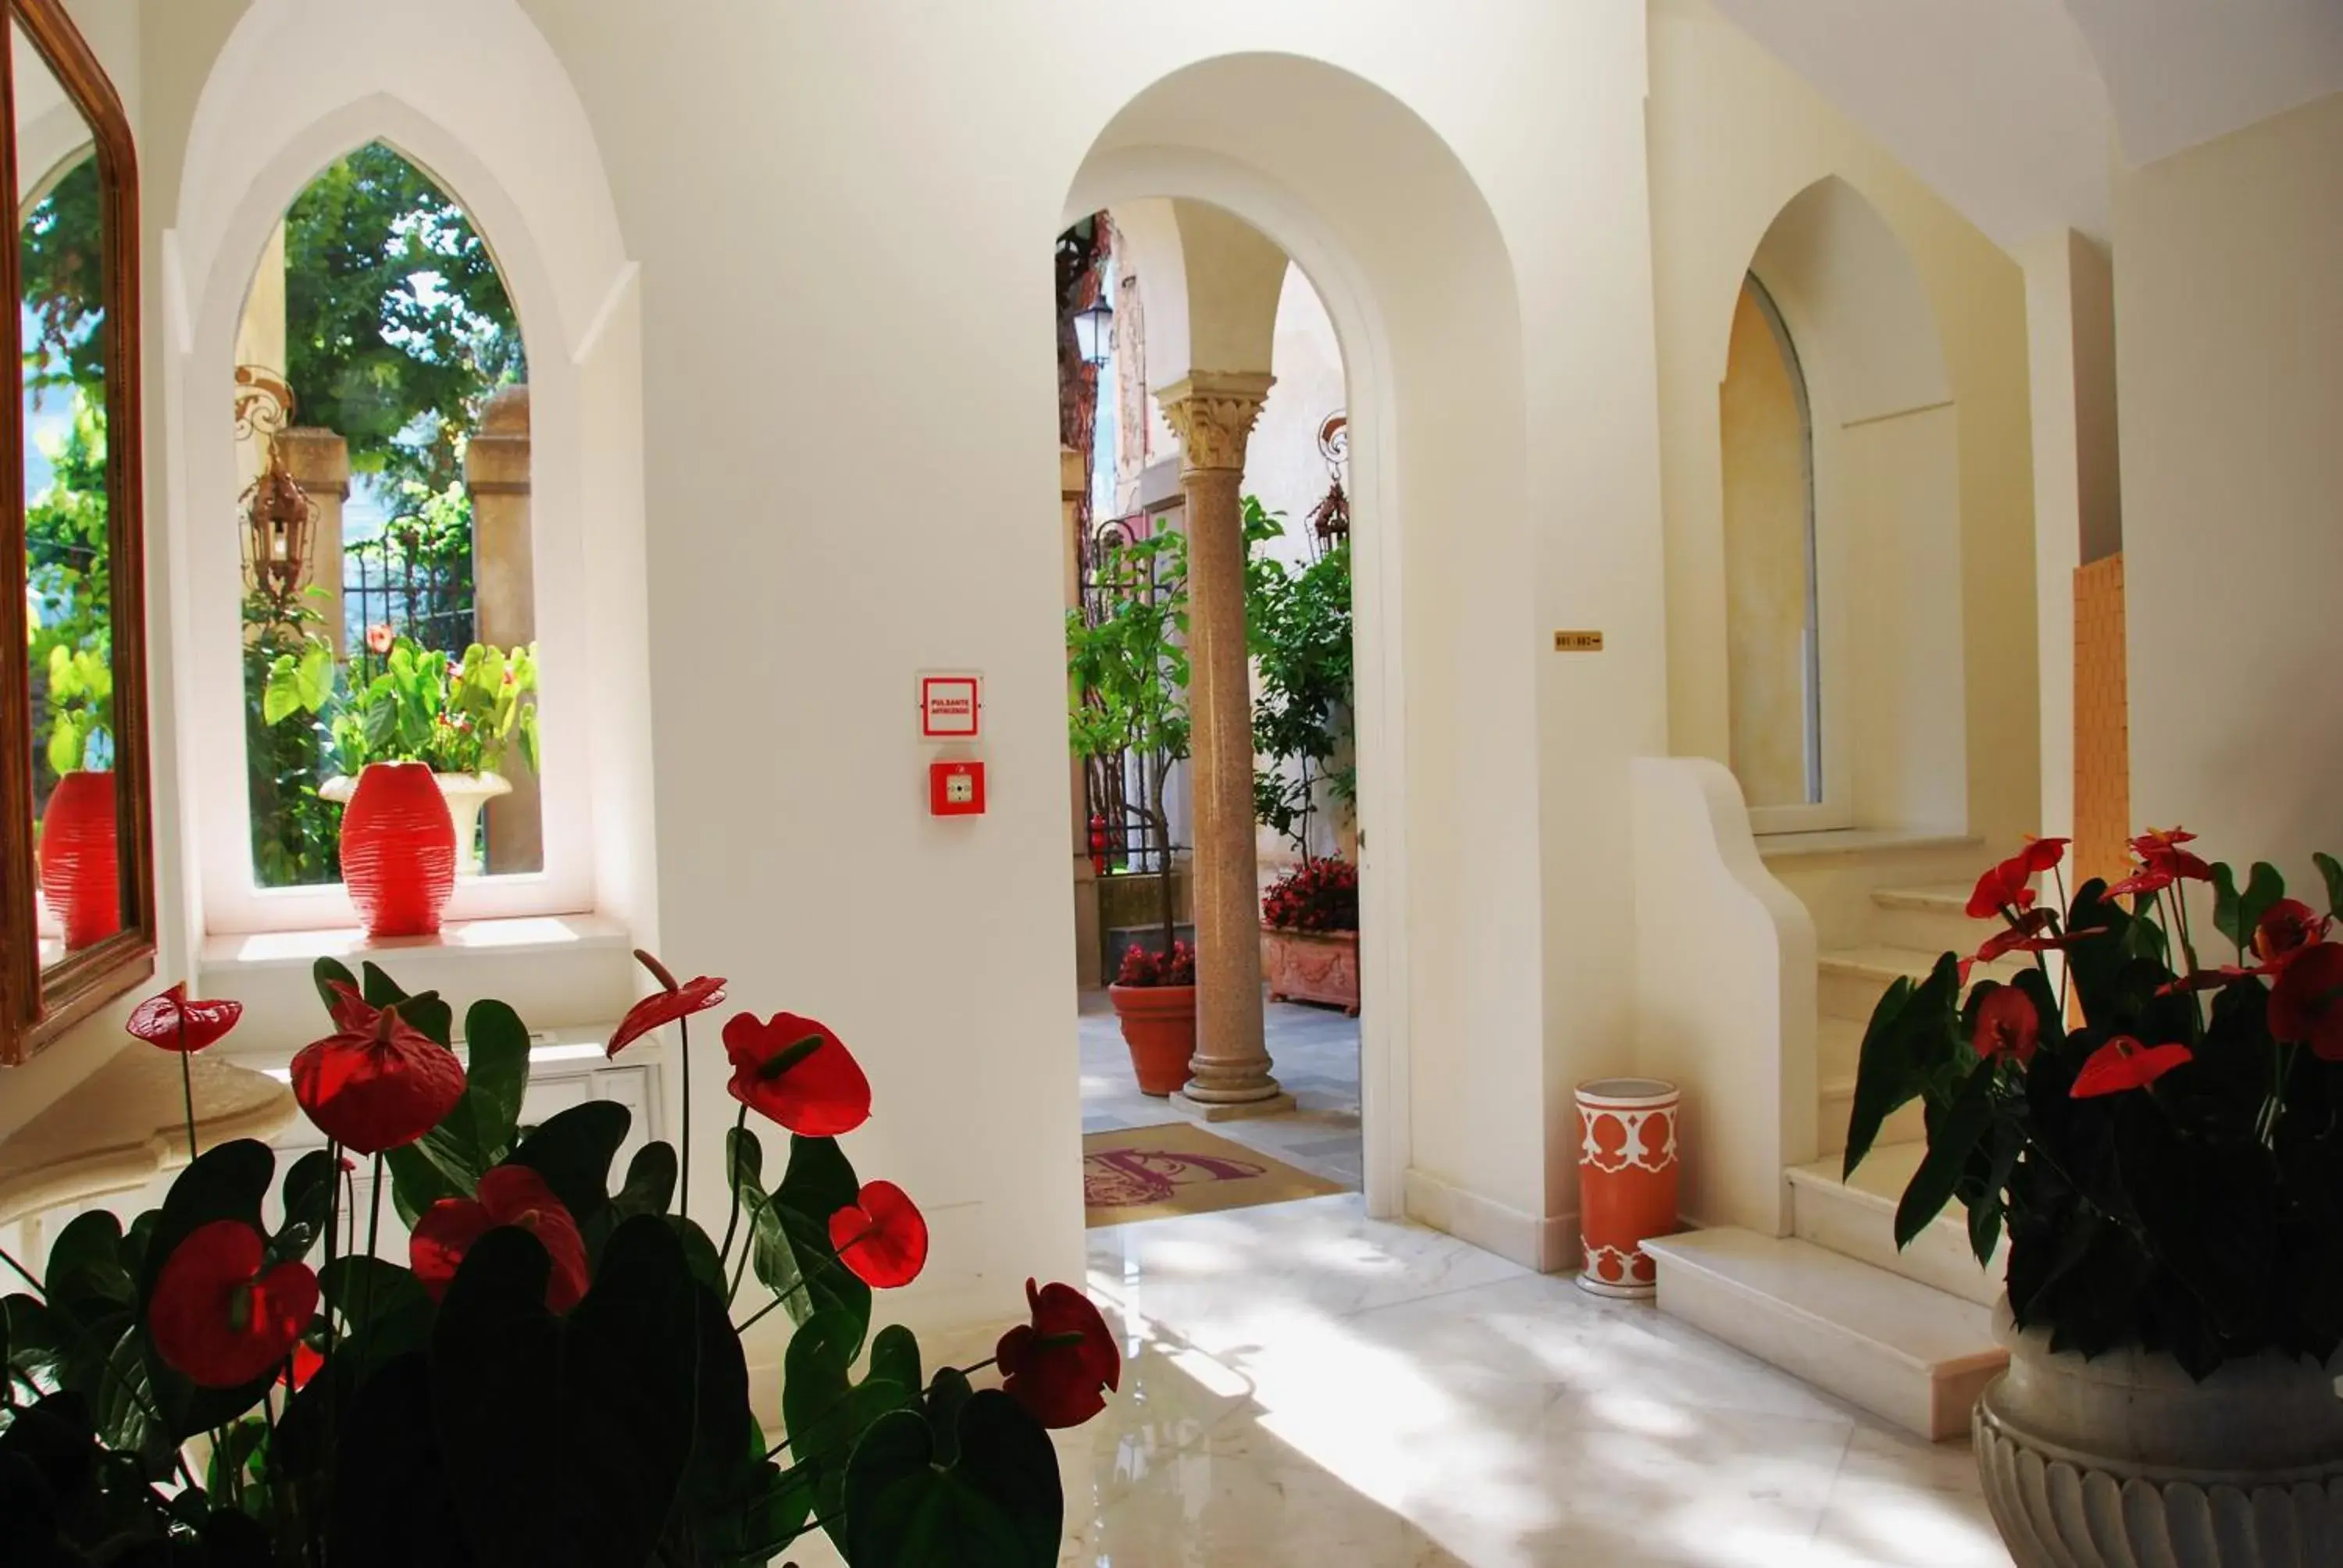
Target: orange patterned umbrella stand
{"type": "Point", "coordinates": [1627, 1170]}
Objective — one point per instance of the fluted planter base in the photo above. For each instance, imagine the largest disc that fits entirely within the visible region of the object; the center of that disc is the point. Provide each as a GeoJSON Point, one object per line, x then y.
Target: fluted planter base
{"type": "Point", "coordinates": [2125, 1460]}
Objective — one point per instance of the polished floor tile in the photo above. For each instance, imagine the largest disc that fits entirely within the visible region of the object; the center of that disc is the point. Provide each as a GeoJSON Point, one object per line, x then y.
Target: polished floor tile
{"type": "Point", "coordinates": [1305, 1385]}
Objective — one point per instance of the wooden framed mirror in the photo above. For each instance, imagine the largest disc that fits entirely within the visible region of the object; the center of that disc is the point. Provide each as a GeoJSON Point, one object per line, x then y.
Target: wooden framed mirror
{"type": "Point", "coordinates": [77, 863]}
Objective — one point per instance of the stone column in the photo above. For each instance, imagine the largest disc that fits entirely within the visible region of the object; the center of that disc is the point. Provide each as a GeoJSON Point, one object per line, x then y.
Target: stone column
{"type": "Point", "coordinates": [1213, 411]}
{"type": "Point", "coordinates": [319, 462]}
{"type": "Point", "coordinates": [504, 599]}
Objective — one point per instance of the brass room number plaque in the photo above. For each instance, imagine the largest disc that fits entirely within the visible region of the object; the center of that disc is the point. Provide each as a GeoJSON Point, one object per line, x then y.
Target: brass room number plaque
{"type": "Point", "coordinates": [1578, 642]}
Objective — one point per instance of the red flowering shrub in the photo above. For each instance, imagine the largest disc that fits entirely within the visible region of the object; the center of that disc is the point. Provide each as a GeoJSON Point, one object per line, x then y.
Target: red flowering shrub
{"type": "Point", "coordinates": [1319, 895]}
{"type": "Point", "coordinates": [557, 1375]}
{"type": "Point", "coordinates": [1146, 967]}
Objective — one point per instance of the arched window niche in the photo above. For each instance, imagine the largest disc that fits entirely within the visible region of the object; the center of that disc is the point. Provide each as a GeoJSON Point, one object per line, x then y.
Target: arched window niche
{"type": "Point", "coordinates": [387, 610]}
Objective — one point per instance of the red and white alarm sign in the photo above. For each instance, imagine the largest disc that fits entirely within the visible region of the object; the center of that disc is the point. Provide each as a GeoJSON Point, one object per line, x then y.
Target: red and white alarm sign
{"type": "Point", "coordinates": [951, 707]}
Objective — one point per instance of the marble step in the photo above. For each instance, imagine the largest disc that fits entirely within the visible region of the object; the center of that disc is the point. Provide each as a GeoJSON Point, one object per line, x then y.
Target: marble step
{"type": "Point", "coordinates": [1850, 981]}
{"type": "Point", "coordinates": [1908, 1354]}
{"type": "Point", "coordinates": [1856, 1216]}
{"type": "Point", "coordinates": [1930, 919]}
{"type": "Point", "coordinates": [1838, 1106]}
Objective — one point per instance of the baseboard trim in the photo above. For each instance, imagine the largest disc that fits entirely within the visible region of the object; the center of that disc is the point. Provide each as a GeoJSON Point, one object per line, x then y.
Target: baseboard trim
{"type": "Point", "coordinates": [1548, 1244]}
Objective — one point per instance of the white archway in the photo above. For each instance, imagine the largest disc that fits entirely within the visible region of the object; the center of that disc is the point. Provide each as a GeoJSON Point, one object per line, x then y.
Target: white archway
{"type": "Point", "coordinates": [299, 83]}
{"type": "Point", "coordinates": [1348, 182]}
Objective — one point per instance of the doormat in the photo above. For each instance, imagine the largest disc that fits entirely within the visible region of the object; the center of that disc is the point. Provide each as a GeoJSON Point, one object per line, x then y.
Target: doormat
{"type": "Point", "coordinates": [1155, 1172]}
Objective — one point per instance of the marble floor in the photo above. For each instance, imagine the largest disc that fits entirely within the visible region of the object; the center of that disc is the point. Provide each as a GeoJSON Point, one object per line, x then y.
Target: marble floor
{"type": "Point", "coordinates": [1315, 1054]}
{"type": "Point", "coordinates": [1305, 1385]}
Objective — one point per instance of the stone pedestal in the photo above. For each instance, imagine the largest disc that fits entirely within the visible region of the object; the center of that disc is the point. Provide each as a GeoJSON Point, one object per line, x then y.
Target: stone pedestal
{"type": "Point", "coordinates": [319, 462]}
{"type": "Point", "coordinates": [504, 597]}
{"type": "Point", "coordinates": [1213, 412]}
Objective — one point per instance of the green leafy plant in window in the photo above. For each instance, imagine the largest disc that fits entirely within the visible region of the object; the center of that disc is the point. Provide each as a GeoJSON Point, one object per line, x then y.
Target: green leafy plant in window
{"type": "Point", "coordinates": [291, 677]}
{"type": "Point", "coordinates": [417, 705]}
{"type": "Point", "coordinates": [69, 589]}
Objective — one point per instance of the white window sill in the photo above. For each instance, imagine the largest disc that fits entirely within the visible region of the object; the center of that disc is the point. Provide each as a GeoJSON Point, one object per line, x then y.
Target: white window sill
{"type": "Point", "coordinates": [516, 936]}
{"type": "Point", "coordinates": [1858, 841]}
{"type": "Point", "coordinates": [562, 973]}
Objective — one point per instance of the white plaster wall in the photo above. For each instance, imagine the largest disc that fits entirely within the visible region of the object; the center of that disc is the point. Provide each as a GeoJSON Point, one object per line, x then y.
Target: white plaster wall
{"type": "Point", "coordinates": [1735, 138]}
{"type": "Point", "coordinates": [2229, 354]}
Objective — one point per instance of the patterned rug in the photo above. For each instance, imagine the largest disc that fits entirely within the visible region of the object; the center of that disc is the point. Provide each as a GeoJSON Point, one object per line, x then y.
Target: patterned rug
{"type": "Point", "coordinates": [1153, 1172]}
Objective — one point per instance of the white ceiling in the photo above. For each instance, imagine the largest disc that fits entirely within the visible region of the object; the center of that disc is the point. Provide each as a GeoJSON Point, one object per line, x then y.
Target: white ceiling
{"type": "Point", "coordinates": [2015, 110]}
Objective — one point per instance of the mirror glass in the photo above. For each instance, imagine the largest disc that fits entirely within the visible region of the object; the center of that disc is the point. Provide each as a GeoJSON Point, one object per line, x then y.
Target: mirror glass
{"type": "Point", "coordinates": [78, 814]}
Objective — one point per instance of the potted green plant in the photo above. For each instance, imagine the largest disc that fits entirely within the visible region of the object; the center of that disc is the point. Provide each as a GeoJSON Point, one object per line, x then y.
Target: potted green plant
{"type": "Point", "coordinates": [2162, 1138]}
{"type": "Point", "coordinates": [1127, 688]}
{"type": "Point", "coordinates": [460, 719]}
{"type": "Point", "coordinates": [551, 1369]}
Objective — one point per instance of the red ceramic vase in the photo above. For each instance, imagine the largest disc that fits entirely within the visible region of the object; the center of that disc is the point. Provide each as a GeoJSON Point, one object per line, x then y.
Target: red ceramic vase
{"type": "Point", "coordinates": [399, 849]}
{"type": "Point", "coordinates": [81, 867]}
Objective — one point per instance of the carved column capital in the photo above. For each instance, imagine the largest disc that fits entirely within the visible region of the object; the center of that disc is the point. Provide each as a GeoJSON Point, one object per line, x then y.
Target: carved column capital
{"type": "Point", "coordinates": [1213, 411]}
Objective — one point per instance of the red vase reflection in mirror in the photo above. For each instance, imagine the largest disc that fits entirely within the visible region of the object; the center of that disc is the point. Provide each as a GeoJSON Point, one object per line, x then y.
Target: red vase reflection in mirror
{"type": "Point", "coordinates": [398, 850]}
{"type": "Point", "coordinates": [81, 868]}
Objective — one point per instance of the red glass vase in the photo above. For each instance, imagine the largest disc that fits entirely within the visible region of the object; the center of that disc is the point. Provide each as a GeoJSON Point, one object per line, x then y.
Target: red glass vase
{"type": "Point", "coordinates": [81, 866]}
{"type": "Point", "coordinates": [399, 849]}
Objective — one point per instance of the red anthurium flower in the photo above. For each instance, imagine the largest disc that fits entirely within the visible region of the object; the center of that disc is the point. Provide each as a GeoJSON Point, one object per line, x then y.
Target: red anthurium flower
{"type": "Point", "coordinates": [666, 1005]}
{"type": "Point", "coordinates": [2159, 850]}
{"type": "Point", "coordinates": [175, 1023]}
{"type": "Point", "coordinates": [2123, 1064]}
{"type": "Point", "coordinates": [2157, 840]}
{"type": "Point", "coordinates": [798, 1074]}
{"type": "Point", "coordinates": [2043, 854]}
{"type": "Point", "coordinates": [508, 1195]}
{"type": "Point", "coordinates": [2146, 880]}
{"type": "Point", "coordinates": [376, 1087]}
{"type": "Point", "coordinates": [2008, 1027]}
{"type": "Point", "coordinates": [2288, 929]}
{"type": "Point", "coordinates": [2018, 939]}
{"type": "Point", "coordinates": [2003, 888]}
{"type": "Point", "coordinates": [882, 1236]}
{"type": "Point", "coordinates": [2307, 1002]}
{"type": "Point", "coordinates": [216, 1317]}
{"type": "Point", "coordinates": [307, 1363]}
{"type": "Point", "coordinates": [1059, 1365]}
{"type": "Point", "coordinates": [2217, 978]}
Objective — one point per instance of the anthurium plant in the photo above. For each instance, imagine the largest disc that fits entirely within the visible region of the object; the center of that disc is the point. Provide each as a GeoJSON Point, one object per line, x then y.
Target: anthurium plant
{"type": "Point", "coordinates": [2160, 1135]}
{"type": "Point", "coordinates": [552, 1372]}
{"type": "Point", "coordinates": [407, 703]}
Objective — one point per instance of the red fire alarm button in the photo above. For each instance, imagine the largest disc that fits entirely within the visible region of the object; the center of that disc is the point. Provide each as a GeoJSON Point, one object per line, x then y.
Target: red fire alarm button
{"type": "Point", "coordinates": [956, 789]}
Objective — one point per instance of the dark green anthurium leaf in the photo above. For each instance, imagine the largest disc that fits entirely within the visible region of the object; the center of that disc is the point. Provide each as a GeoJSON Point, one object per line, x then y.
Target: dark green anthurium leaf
{"type": "Point", "coordinates": [732, 1501]}
{"type": "Point", "coordinates": [826, 1411]}
{"type": "Point", "coordinates": [423, 1172]}
{"type": "Point", "coordinates": [895, 1355]}
{"type": "Point", "coordinates": [998, 1505]}
{"type": "Point", "coordinates": [308, 1198]}
{"type": "Point", "coordinates": [2264, 888]}
{"type": "Point", "coordinates": [769, 1251]}
{"type": "Point", "coordinates": [649, 1187]}
{"type": "Point", "coordinates": [226, 1181]}
{"type": "Point", "coordinates": [328, 973]}
{"type": "Point", "coordinates": [496, 1067]}
{"type": "Point", "coordinates": [1954, 1134]}
{"type": "Point", "coordinates": [699, 1253]}
{"type": "Point", "coordinates": [394, 1499]}
{"type": "Point", "coordinates": [384, 1309]}
{"type": "Point", "coordinates": [567, 1438]}
{"type": "Point", "coordinates": [573, 1152]}
{"type": "Point", "coordinates": [85, 1271]}
{"type": "Point", "coordinates": [2331, 870]}
{"type": "Point", "coordinates": [2227, 904]}
{"type": "Point", "coordinates": [425, 1010]}
{"type": "Point", "coordinates": [818, 1183]}
{"type": "Point", "coordinates": [946, 1396]}
{"type": "Point", "coordinates": [1911, 1036]}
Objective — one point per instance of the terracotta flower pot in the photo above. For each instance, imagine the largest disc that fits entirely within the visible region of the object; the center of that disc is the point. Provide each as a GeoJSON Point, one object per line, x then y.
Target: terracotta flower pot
{"type": "Point", "coordinates": [2126, 1458]}
{"type": "Point", "coordinates": [1158, 1025]}
{"type": "Point", "coordinates": [399, 849]}
{"type": "Point", "coordinates": [81, 868]}
{"type": "Point", "coordinates": [1311, 966]}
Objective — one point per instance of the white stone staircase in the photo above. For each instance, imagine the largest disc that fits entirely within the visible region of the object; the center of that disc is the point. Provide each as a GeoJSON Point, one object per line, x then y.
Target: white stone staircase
{"type": "Point", "coordinates": [1906, 1336]}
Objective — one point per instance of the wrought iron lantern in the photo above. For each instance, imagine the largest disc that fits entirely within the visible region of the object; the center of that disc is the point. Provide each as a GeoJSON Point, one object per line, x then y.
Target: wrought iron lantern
{"type": "Point", "coordinates": [277, 513]}
{"type": "Point", "coordinates": [1094, 331]}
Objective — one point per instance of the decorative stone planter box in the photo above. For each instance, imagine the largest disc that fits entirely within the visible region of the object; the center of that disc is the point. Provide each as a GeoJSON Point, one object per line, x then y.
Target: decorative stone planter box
{"type": "Point", "coordinates": [1311, 966]}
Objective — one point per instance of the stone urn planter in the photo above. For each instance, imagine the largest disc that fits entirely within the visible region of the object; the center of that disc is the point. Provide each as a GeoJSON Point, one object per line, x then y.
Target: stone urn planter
{"type": "Point", "coordinates": [2125, 1459]}
{"type": "Point", "coordinates": [1311, 966]}
{"type": "Point", "coordinates": [466, 794]}
{"type": "Point", "coordinates": [1159, 1025]}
